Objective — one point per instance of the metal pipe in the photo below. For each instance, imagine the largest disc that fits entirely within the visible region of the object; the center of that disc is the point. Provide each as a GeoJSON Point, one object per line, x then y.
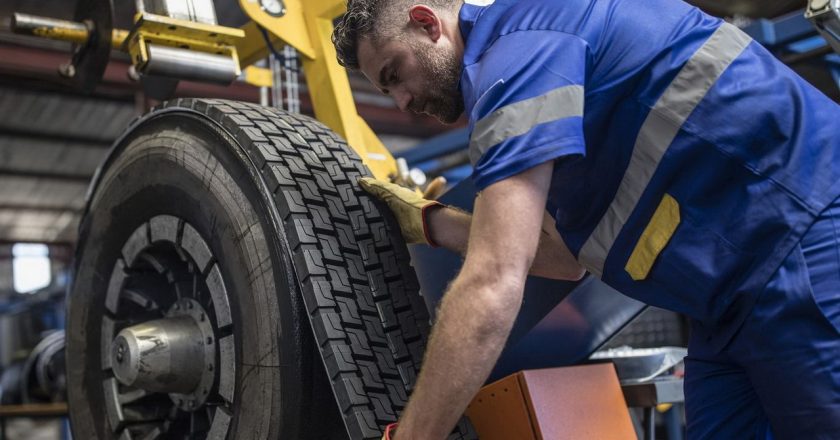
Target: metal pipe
{"type": "Point", "coordinates": [276, 81]}
{"type": "Point", "coordinates": [61, 30]}
{"type": "Point", "coordinates": [189, 64]}
{"type": "Point", "coordinates": [264, 91]}
{"type": "Point", "coordinates": [650, 423]}
{"type": "Point", "coordinates": [806, 56]}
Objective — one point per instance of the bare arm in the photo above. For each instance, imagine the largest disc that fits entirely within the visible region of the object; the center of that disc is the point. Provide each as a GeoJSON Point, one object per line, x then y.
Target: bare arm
{"type": "Point", "coordinates": [478, 311]}
{"type": "Point", "coordinates": [450, 228]}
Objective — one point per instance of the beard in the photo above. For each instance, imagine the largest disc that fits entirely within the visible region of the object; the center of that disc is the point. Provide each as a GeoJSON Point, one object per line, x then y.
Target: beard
{"type": "Point", "coordinates": [441, 78]}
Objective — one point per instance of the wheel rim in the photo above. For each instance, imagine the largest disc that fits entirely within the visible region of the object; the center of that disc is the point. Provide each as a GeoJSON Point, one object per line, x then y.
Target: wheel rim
{"type": "Point", "coordinates": [168, 291]}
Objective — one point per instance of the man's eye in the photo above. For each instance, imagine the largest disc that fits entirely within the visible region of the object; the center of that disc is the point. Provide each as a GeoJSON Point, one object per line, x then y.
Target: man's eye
{"type": "Point", "coordinates": [394, 78]}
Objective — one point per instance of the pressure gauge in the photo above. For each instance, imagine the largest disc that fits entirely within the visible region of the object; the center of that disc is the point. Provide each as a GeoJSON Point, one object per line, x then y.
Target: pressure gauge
{"type": "Point", "coordinates": [275, 8]}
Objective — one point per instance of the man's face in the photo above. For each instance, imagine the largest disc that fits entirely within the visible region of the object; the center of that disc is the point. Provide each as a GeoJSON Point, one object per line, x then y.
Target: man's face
{"type": "Point", "coordinates": [422, 77]}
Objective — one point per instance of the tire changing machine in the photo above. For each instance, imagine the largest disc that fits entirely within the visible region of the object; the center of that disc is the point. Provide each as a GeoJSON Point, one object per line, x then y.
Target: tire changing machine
{"type": "Point", "coordinates": [232, 281]}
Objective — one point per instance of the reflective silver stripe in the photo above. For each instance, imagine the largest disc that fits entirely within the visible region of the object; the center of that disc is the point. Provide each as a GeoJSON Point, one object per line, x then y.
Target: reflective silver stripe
{"type": "Point", "coordinates": [658, 132]}
{"type": "Point", "coordinates": [520, 117]}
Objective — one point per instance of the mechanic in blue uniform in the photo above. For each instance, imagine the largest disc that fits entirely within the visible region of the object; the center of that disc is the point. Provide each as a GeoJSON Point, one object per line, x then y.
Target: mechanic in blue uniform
{"type": "Point", "coordinates": [680, 162]}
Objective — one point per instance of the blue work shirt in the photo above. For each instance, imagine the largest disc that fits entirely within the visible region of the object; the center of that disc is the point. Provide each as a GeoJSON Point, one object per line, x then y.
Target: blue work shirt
{"type": "Point", "coordinates": [689, 161]}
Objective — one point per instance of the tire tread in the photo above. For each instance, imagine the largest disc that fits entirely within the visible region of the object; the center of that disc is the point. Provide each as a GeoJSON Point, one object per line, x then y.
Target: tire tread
{"type": "Point", "coordinates": [362, 297]}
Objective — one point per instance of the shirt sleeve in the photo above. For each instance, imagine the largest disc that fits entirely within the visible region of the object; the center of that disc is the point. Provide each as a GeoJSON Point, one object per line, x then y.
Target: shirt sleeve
{"type": "Point", "coordinates": [525, 103]}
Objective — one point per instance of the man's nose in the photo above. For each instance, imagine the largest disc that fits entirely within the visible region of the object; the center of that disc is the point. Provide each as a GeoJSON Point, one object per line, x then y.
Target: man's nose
{"type": "Point", "coordinates": [402, 98]}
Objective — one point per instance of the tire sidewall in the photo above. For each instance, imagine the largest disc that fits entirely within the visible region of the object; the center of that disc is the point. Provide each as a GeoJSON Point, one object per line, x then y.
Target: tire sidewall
{"type": "Point", "coordinates": [147, 178]}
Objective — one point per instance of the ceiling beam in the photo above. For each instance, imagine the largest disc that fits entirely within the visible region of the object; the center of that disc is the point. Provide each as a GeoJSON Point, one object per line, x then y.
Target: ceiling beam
{"type": "Point", "coordinates": [38, 209]}
{"type": "Point", "coordinates": [47, 175]}
{"type": "Point", "coordinates": [87, 141]}
{"type": "Point", "coordinates": [60, 243]}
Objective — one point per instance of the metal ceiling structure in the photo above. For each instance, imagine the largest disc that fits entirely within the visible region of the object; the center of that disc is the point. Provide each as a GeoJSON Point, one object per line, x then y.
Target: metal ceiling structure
{"type": "Point", "coordinates": [50, 145]}
{"type": "Point", "coordinates": [52, 139]}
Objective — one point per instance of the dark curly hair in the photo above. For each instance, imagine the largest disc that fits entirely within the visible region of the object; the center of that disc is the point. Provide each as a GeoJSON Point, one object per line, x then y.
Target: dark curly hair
{"type": "Point", "coordinates": [375, 19]}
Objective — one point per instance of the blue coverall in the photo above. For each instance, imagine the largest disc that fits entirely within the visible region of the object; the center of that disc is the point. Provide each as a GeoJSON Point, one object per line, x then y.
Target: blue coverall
{"type": "Point", "coordinates": [694, 172]}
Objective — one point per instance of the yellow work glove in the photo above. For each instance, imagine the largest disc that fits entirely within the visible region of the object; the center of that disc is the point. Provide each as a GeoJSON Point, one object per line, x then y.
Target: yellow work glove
{"type": "Point", "coordinates": [408, 207]}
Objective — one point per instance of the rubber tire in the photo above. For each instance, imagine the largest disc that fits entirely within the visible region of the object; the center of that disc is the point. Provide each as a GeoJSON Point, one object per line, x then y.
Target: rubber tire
{"type": "Point", "coordinates": [318, 274]}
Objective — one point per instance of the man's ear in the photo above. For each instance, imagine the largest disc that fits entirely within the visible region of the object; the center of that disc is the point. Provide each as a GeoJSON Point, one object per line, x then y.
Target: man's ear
{"type": "Point", "coordinates": [424, 18]}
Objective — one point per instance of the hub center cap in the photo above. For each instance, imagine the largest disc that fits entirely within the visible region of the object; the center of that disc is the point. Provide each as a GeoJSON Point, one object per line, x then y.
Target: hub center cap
{"type": "Point", "coordinates": [174, 355]}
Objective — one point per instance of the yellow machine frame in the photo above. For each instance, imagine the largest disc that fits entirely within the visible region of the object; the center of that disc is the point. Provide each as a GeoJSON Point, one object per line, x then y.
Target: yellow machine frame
{"type": "Point", "coordinates": [307, 26]}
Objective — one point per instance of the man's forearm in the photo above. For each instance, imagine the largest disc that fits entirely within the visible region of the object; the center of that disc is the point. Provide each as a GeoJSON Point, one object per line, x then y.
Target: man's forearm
{"type": "Point", "coordinates": [478, 311]}
{"type": "Point", "coordinates": [450, 229]}
{"type": "Point", "coordinates": [466, 341]}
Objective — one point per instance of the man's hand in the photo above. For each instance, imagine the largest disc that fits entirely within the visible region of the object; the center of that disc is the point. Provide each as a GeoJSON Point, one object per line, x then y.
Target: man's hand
{"type": "Point", "coordinates": [450, 227]}
{"type": "Point", "coordinates": [435, 188]}
{"type": "Point", "coordinates": [408, 207]}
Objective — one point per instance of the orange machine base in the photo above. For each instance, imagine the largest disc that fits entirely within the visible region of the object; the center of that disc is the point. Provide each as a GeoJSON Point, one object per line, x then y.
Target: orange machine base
{"type": "Point", "coordinates": [580, 402]}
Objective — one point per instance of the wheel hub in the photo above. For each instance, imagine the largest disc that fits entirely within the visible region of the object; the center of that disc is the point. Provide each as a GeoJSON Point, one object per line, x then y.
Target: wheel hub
{"type": "Point", "coordinates": [167, 337]}
{"type": "Point", "coordinates": [174, 355]}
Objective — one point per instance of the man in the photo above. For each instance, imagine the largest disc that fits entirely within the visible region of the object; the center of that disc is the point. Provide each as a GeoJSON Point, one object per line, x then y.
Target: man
{"type": "Point", "coordinates": [681, 163]}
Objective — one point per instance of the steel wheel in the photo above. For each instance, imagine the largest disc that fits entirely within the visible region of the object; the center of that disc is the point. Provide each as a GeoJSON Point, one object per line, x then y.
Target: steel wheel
{"type": "Point", "coordinates": [233, 281]}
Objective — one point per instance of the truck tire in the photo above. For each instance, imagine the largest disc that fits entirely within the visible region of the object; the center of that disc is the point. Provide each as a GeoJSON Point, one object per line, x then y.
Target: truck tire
{"type": "Point", "coordinates": [252, 219]}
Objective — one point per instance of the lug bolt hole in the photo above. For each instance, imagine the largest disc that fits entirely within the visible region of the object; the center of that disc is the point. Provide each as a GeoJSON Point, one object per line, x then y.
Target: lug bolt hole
{"type": "Point", "coordinates": [120, 352]}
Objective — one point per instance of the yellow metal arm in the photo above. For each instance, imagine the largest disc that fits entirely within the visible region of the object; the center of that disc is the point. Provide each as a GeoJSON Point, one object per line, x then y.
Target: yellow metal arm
{"type": "Point", "coordinates": [328, 9]}
{"type": "Point", "coordinates": [61, 30]}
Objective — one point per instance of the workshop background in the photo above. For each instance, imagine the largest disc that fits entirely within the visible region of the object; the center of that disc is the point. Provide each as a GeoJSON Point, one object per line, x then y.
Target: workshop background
{"type": "Point", "coordinates": [53, 138]}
